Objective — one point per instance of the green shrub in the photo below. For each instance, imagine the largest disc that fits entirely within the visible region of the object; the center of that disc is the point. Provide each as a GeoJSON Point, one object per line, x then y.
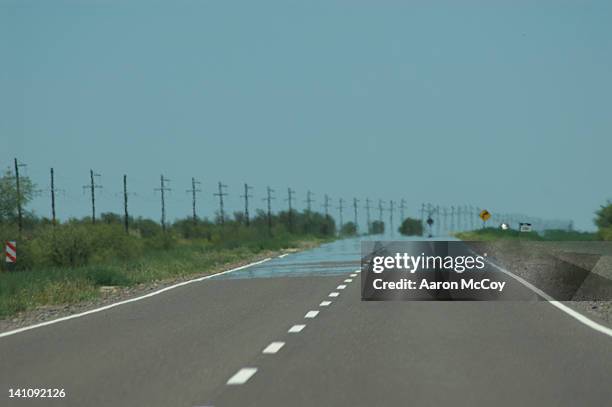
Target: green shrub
{"type": "Point", "coordinates": [411, 227]}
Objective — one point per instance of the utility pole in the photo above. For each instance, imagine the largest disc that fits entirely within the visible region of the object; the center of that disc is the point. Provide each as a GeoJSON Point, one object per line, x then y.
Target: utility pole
{"type": "Point", "coordinates": [53, 221]}
{"type": "Point", "coordinates": [193, 191]}
{"type": "Point", "coordinates": [163, 189]}
{"type": "Point", "coordinates": [355, 202]}
{"type": "Point", "coordinates": [18, 186]}
{"type": "Point", "coordinates": [221, 194]}
{"type": "Point", "coordinates": [125, 205]}
{"type": "Point", "coordinates": [445, 214]}
{"type": "Point", "coordinates": [402, 207]}
{"type": "Point", "coordinates": [391, 209]}
{"type": "Point", "coordinates": [380, 210]}
{"type": "Point", "coordinates": [423, 215]}
{"type": "Point", "coordinates": [438, 220]}
{"type": "Point", "coordinates": [289, 199]}
{"type": "Point", "coordinates": [472, 216]}
{"type": "Point", "coordinates": [269, 198]}
{"type": "Point", "coordinates": [246, 197]}
{"type": "Point", "coordinates": [92, 187]}
{"type": "Point", "coordinates": [326, 206]}
{"type": "Point", "coordinates": [309, 200]}
{"type": "Point", "coordinates": [367, 208]}
{"type": "Point", "coordinates": [340, 208]}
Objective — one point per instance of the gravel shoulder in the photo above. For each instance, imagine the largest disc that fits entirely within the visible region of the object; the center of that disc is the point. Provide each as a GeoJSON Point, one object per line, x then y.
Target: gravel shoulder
{"type": "Point", "coordinates": [577, 273]}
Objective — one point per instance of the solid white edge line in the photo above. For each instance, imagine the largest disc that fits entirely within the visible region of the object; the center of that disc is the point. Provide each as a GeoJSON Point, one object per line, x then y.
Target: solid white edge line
{"type": "Point", "coordinates": [334, 294]}
{"type": "Point", "coordinates": [311, 314]}
{"type": "Point", "coordinates": [242, 376]}
{"type": "Point", "coordinates": [325, 303]}
{"type": "Point", "coordinates": [116, 304]}
{"type": "Point", "coordinates": [296, 328]}
{"type": "Point", "coordinates": [575, 314]}
{"type": "Point", "coordinates": [273, 347]}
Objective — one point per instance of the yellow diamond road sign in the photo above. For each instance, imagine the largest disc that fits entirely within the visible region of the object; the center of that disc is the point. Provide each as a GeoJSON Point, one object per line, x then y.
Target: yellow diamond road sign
{"type": "Point", "coordinates": [485, 215]}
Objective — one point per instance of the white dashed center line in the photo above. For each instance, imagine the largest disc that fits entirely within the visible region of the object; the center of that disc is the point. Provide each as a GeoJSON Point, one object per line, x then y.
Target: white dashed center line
{"type": "Point", "coordinates": [296, 328]}
{"type": "Point", "coordinates": [354, 275]}
{"type": "Point", "coordinates": [341, 287]}
{"type": "Point", "coordinates": [348, 280]}
{"type": "Point", "coordinates": [273, 347]}
{"type": "Point", "coordinates": [242, 376]}
{"type": "Point", "coordinates": [334, 294]}
{"type": "Point", "coordinates": [324, 303]}
{"type": "Point", "coordinates": [311, 314]}
{"type": "Point", "coordinates": [357, 271]}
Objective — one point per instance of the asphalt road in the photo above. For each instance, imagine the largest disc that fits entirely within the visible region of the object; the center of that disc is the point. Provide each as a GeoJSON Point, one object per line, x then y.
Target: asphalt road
{"type": "Point", "coordinates": [181, 348]}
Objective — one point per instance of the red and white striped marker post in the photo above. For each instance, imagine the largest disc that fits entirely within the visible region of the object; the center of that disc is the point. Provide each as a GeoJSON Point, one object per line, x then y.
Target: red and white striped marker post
{"type": "Point", "coordinates": [10, 251]}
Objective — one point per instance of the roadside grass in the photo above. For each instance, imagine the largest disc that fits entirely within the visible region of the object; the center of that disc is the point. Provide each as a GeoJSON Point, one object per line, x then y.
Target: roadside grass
{"type": "Point", "coordinates": [494, 234]}
{"type": "Point", "coordinates": [25, 290]}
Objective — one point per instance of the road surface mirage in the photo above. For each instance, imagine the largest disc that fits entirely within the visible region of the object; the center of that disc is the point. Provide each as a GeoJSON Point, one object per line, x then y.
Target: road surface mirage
{"type": "Point", "coordinates": [293, 332]}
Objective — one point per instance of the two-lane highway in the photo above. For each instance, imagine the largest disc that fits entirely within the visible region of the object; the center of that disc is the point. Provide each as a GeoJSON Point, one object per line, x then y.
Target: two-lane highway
{"type": "Point", "coordinates": [293, 332]}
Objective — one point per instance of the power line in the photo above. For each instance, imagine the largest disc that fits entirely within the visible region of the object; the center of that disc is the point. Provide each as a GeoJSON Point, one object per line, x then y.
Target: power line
{"type": "Point", "coordinates": [367, 208]}
{"type": "Point", "coordinates": [92, 187]}
{"type": "Point", "coordinates": [355, 202]}
{"type": "Point", "coordinates": [289, 199]}
{"type": "Point", "coordinates": [221, 194]}
{"type": "Point", "coordinates": [163, 189]}
{"type": "Point", "coordinates": [53, 219]}
{"type": "Point", "coordinates": [380, 210]}
{"type": "Point", "coordinates": [340, 208]}
{"type": "Point", "coordinates": [309, 201]}
{"type": "Point", "coordinates": [246, 197]}
{"type": "Point", "coordinates": [18, 190]}
{"type": "Point", "coordinates": [269, 199]}
{"type": "Point", "coordinates": [194, 191]}
{"type": "Point", "coordinates": [326, 206]}
{"type": "Point", "coordinates": [125, 205]}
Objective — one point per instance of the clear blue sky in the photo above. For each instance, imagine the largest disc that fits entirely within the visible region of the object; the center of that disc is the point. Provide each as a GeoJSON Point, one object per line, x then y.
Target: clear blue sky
{"type": "Point", "coordinates": [499, 104]}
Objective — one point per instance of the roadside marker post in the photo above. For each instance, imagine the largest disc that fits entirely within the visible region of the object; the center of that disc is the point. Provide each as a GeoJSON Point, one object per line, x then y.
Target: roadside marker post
{"type": "Point", "coordinates": [10, 253]}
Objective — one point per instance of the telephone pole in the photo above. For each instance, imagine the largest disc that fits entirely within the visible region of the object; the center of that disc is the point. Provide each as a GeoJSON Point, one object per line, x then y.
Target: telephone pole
{"type": "Point", "coordinates": [92, 187]}
{"type": "Point", "coordinates": [18, 186]}
{"type": "Point", "coordinates": [340, 208]}
{"type": "Point", "coordinates": [269, 199]}
{"type": "Point", "coordinates": [438, 220]}
{"type": "Point", "coordinates": [472, 215]}
{"type": "Point", "coordinates": [355, 202]}
{"type": "Point", "coordinates": [246, 197]}
{"type": "Point", "coordinates": [289, 199]}
{"type": "Point", "coordinates": [53, 220]}
{"type": "Point", "coordinates": [125, 205]}
{"type": "Point", "coordinates": [402, 207]}
{"type": "Point", "coordinates": [163, 189]}
{"type": "Point", "coordinates": [445, 215]}
{"type": "Point", "coordinates": [423, 215]}
{"type": "Point", "coordinates": [326, 206]}
{"type": "Point", "coordinates": [367, 208]}
{"type": "Point", "coordinates": [194, 191]}
{"type": "Point", "coordinates": [309, 200]}
{"type": "Point", "coordinates": [391, 215]}
{"type": "Point", "coordinates": [380, 210]}
{"type": "Point", "coordinates": [221, 194]}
